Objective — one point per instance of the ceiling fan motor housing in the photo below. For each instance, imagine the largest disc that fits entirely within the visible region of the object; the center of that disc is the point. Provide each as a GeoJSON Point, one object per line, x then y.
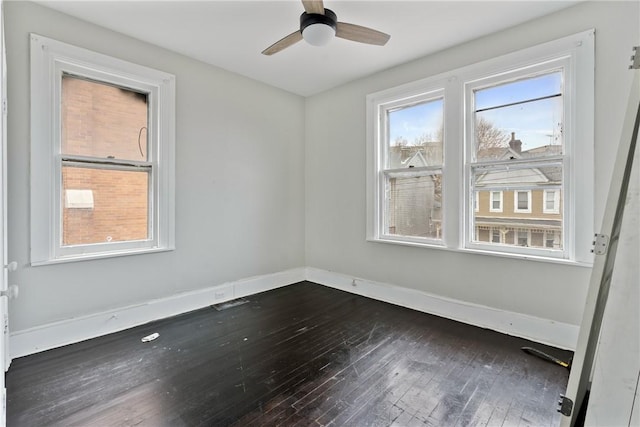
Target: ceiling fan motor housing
{"type": "Point", "coordinates": [329, 18]}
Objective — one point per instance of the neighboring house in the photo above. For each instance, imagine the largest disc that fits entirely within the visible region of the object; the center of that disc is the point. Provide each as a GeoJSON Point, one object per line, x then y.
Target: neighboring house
{"type": "Point", "coordinates": [415, 207]}
{"type": "Point", "coordinates": [520, 207]}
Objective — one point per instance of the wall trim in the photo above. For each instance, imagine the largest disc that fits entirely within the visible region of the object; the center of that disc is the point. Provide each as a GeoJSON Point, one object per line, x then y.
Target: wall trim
{"type": "Point", "coordinates": [64, 332]}
{"type": "Point", "coordinates": [544, 331]}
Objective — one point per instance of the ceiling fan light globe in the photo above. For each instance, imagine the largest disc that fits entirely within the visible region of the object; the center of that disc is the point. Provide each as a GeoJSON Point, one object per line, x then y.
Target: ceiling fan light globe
{"type": "Point", "coordinates": [318, 34]}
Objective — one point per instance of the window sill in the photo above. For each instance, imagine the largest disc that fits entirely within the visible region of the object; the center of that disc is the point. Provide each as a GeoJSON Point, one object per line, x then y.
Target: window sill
{"type": "Point", "coordinates": [101, 255]}
{"type": "Point", "coordinates": [523, 257]}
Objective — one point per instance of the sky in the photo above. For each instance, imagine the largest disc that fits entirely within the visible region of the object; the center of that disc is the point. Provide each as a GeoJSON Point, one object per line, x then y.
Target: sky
{"type": "Point", "coordinates": [417, 120]}
{"type": "Point", "coordinates": [535, 123]}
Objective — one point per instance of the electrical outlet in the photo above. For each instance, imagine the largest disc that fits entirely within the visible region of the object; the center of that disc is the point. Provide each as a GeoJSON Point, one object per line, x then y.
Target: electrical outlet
{"type": "Point", "coordinates": [353, 283]}
{"type": "Point", "coordinates": [219, 295]}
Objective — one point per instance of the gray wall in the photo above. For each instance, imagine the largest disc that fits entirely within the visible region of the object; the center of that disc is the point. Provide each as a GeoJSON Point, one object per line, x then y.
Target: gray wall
{"type": "Point", "coordinates": [260, 189]}
{"type": "Point", "coordinates": [239, 181]}
{"type": "Point", "coordinates": [335, 189]}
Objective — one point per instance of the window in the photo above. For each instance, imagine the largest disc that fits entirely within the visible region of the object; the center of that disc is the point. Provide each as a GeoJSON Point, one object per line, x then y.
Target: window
{"type": "Point", "coordinates": [552, 239]}
{"type": "Point", "coordinates": [107, 151]}
{"type": "Point", "coordinates": [496, 201]}
{"type": "Point", "coordinates": [551, 202]}
{"type": "Point", "coordinates": [522, 201]}
{"type": "Point", "coordinates": [523, 238]}
{"type": "Point", "coordinates": [514, 156]}
{"type": "Point", "coordinates": [517, 144]}
{"type": "Point", "coordinates": [411, 197]}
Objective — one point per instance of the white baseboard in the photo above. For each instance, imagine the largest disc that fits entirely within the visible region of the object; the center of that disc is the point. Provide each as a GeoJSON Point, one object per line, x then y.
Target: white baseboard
{"type": "Point", "coordinates": [70, 331]}
{"type": "Point", "coordinates": [557, 334]}
{"type": "Point", "coordinates": [74, 330]}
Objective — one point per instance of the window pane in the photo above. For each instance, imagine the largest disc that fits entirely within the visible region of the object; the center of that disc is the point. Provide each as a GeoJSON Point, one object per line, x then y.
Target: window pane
{"type": "Point", "coordinates": [102, 206]}
{"type": "Point", "coordinates": [523, 200]}
{"type": "Point", "coordinates": [522, 189]}
{"type": "Point", "coordinates": [100, 120]}
{"type": "Point", "coordinates": [414, 206]}
{"type": "Point", "coordinates": [518, 91]}
{"type": "Point", "coordinates": [415, 135]}
{"type": "Point", "coordinates": [521, 119]}
{"type": "Point", "coordinates": [496, 200]}
{"type": "Point", "coordinates": [551, 200]}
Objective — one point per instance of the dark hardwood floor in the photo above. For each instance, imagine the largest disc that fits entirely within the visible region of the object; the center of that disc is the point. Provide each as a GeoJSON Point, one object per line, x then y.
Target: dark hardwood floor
{"type": "Point", "coordinates": [301, 355]}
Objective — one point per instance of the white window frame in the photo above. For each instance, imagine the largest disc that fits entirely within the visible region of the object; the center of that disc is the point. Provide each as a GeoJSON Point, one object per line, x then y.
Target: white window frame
{"type": "Point", "coordinates": [491, 208]}
{"type": "Point", "coordinates": [559, 61]}
{"type": "Point", "coordinates": [576, 55]}
{"type": "Point", "coordinates": [50, 59]}
{"type": "Point", "coordinates": [476, 201]}
{"type": "Point", "coordinates": [556, 202]}
{"type": "Point", "coordinates": [425, 93]}
{"type": "Point", "coordinates": [516, 208]}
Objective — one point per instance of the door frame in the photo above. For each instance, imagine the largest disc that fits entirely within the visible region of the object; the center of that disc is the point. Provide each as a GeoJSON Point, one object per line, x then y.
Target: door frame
{"type": "Point", "coordinates": [4, 340]}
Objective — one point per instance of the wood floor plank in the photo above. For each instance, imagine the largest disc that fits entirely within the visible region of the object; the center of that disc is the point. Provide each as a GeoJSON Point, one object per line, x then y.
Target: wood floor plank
{"type": "Point", "coordinates": [300, 355]}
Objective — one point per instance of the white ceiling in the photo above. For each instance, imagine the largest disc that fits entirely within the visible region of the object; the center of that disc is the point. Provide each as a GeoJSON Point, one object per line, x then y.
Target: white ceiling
{"type": "Point", "coordinates": [231, 34]}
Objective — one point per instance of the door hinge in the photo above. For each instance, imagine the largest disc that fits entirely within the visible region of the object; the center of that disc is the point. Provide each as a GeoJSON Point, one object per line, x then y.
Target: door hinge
{"type": "Point", "coordinates": [4, 106]}
{"type": "Point", "coordinates": [565, 405]}
{"type": "Point", "coordinates": [600, 244]}
{"type": "Point", "coordinates": [635, 59]}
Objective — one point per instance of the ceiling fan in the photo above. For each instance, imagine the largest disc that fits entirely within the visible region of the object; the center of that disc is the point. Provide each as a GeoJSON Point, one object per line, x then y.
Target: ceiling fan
{"type": "Point", "coordinates": [319, 25]}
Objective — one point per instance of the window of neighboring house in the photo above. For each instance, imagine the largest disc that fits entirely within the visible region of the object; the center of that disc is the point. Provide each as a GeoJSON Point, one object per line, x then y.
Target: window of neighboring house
{"type": "Point", "coordinates": [551, 202]}
{"type": "Point", "coordinates": [549, 241]}
{"type": "Point", "coordinates": [495, 236]}
{"type": "Point", "coordinates": [108, 150]}
{"type": "Point", "coordinates": [523, 238]}
{"type": "Point", "coordinates": [496, 201]}
{"type": "Point", "coordinates": [522, 201]}
{"type": "Point", "coordinates": [551, 238]}
{"type": "Point", "coordinates": [522, 119]}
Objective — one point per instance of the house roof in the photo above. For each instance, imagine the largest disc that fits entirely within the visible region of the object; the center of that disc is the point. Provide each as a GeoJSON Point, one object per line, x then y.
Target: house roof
{"type": "Point", "coordinates": [546, 174]}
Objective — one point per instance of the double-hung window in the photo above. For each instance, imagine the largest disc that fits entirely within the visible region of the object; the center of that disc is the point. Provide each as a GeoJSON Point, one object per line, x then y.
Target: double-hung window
{"type": "Point", "coordinates": [522, 201]}
{"type": "Point", "coordinates": [411, 167]}
{"type": "Point", "coordinates": [524, 154]}
{"type": "Point", "coordinates": [496, 201]}
{"type": "Point", "coordinates": [495, 157]}
{"type": "Point", "coordinates": [551, 201]}
{"type": "Point", "coordinates": [102, 155]}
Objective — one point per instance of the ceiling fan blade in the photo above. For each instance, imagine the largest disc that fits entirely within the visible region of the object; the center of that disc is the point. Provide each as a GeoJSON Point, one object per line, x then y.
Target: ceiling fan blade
{"type": "Point", "coordinates": [283, 43]}
{"type": "Point", "coordinates": [313, 6]}
{"type": "Point", "coordinates": [361, 34]}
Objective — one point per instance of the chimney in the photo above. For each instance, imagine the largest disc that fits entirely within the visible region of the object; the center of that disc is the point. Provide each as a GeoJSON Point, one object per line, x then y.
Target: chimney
{"type": "Point", "coordinates": [515, 144]}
